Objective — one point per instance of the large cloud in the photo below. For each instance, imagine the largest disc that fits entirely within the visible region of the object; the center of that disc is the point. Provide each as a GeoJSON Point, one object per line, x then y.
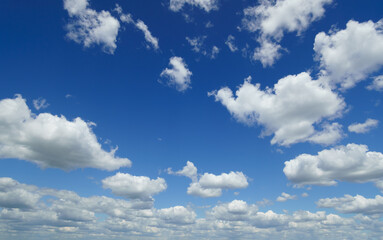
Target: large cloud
{"type": "Point", "coordinates": [210, 185]}
{"type": "Point", "coordinates": [273, 18]}
{"type": "Point", "coordinates": [51, 141]}
{"type": "Point", "coordinates": [90, 27]}
{"type": "Point", "coordinates": [351, 163]}
{"type": "Point", "coordinates": [135, 187]}
{"type": "Point", "coordinates": [341, 61]}
{"type": "Point", "coordinates": [289, 110]}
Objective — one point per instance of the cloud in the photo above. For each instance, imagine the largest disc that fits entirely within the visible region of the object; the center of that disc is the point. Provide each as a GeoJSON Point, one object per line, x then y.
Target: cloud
{"type": "Point", "coordinates": [344, 64]}
{"type": "Point", "coordinates": [357, 204]}
{"type": "Point", "coordinates": [178, 215]}
{"type": "Point", "coordinates": [16, 195]}
{"type": "Point", "coordinates": [134, 187]}
{"type": "Point", "coordinates": [178, 75]}
{"type": "Point", "coordinates": [365, 127]}
{"type": "Point", "coordinates": [40, 103]}
{"type": "Point", "coordinates": [207, 5]}
{"type": "Point", "coordinates": [58, 213]}
{"type": "Point", "coordinates": [272, 19]}
{"type": "Point", "coordinates": [289, 110]}
{"type": "Point", "coordinates": [51, 141]}
{"type": "Point", "coordinates": [230, 43]}
{"type": "Point", "coordinates": [139, 24]}
{"type": "Point", "coordinates": [377, 84]}
{"type": "Point", "coordinates": [285, 196]}
{"type": "Point", "coordinates": [89, 27]}
{"type": "Point", "coordinates": [210, 185]}
{"type": "Point", "coordinates": [350, 163]}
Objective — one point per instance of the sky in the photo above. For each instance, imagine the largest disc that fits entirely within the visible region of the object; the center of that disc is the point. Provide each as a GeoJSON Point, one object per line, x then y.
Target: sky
{"type": "Point", "coordinates": [191, 119]}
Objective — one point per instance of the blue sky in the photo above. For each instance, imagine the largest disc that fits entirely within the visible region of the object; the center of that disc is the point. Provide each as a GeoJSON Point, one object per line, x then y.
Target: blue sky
{"type": "Point", "coordinates": [191, 119]}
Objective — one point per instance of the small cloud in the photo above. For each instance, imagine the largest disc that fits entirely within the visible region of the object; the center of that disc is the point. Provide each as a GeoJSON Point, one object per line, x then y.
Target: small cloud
{"type": "Point", "coordinates": [40, 103]}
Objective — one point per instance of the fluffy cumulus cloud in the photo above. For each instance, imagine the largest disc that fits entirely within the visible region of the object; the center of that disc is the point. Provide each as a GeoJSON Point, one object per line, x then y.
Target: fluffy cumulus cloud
{"type": "Point", "coordinates": [178, 75]}
{"type": "Point", "coordinates": [272, 19]}
{"type": "Point", "coordinates": [207, 5]}
{"type": "Point", "coordinates": [351, 163]}
{"type": "Point", "coordinates": [377, 84]}
{"type": "Point", "coordinates": [44, 213]}
{"type": "Point", "coordinates": [289, 110]}
{"type": "Point", "coordinates": [367, 126]}
{"type": "Point", "coordinates": [210, 185]}
{"type": "Point", "coordinates": [285, 196]}
{"type": "Point", "coordinates": [134, 187]}
{"type": "Point", "coordinates": [356, 204]}
{"type": "Point", "coordinates": [344, 64]}
{"type": "Point", "coordinates": [90, 27]}
{"type": "Point", "coordinates": [51, 141]}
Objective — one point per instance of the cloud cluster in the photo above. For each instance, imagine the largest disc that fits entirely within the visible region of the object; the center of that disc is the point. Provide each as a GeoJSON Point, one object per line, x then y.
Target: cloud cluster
{"type": "Point", "coordinates": [207, 5]}
{"type": "Point", "coordinates": [350, 163]}
{"type": "Point", "coordinates": [344, 64]}
{"type": "Point", "coordinates": [377, 84]}
{"type": "Point", "coordinates": [134, 187]}
{"type": "Point", "coordinates": [289, 110]}
{"type": "Point", "coordinates": [90, 27]}
{"type": "Point", "coordinates": [51, 141]}
{"type": "Point", "coordinates": [210, 185]}
{"type": "Point", "coordinates": [178, 75]}
{"type": "Point", "coordinates": [285, 196]}
{"type": "Point", "coordinates": [49, 213]}
{"type": "Point", "coordinates": [197, 44]}
{"type": "Point", "coordinates": [272, 19]}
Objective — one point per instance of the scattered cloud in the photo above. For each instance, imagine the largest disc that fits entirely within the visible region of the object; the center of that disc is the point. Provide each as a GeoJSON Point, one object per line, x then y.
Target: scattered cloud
{"type": "Point", "coordinates": [344, 64]}
{"type": "Point", "coordinates": [272, 19]}
{"type": "Point", "coordinates": [178, 75]}
{"type": "Point", "coordinates": [377, 83]}
{"type": "Point", "coordinates": [89, 27]}
{"type": "Point", "coordinates": [231, 44]}
{"type": "Point", "coordinates": [207, 5]}
{"type": "Point", "coordinates": [285, 196]}
{"type": "Point", "coordinates": [365, 127]}
{"type": "Point", "coordinates": [40, 103]}
{"type": "Point", "coordinates": [350, 163]}
{"type": "Point", "coordinates": [51, 141]}
{"type": "Point", "coordinates": [134, 187]}
{"type": "Point", "coordinates": [210, 185]}
{"type": "Point", "coordinates": [289, 110]}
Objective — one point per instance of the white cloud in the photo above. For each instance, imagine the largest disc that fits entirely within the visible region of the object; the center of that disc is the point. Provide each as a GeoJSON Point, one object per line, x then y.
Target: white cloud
{"type": "Point", "coordinates": [51, 141]}
{"type": "Point", "coordinates": [230, 43]}
{"type": "Point", "coordinates": [178, 75]}
{"type": "Point", "coordinates": [304, 194]}
{"type": "Point", "coordinates": [207, 5]}
{"type": "Point", "coordinates": [363, 127]}
{"type": "Point", "coordinates": [351, 163]}
{"type": "Point", "coordinates": [148, 35]}
{"type": "Point", "coordinates": [377, 83]}
{"type": "Point", "coordinates": [90, 27]}
{"type": "Point", "coordinates": [210, 185]}
{"type": "Point", "coordinates": [285, 196]}
{"type": "Point", "coordinates": [16, 195]}
{"type": "Point", "coordinates": [40, 103]}
{"type": "Point", "coordinates": [178, 215]}
{"type": "Point", "coordinates": [197, 43]}
{"type": "Point", "coordinates": [139, 24]}
{"type": "Point", "coordinates": [267, 53]}
{"type": "Point", "coordinates": [189, 171]}
{"type": "Point", "coordinates": [289, 110]}
{"type": "Point", "coordinates": [134, 187]}
{"type": "Point", "coordinates": [357, 204]}
{"type": "Point", "coordinates": [236, 210]}
{"type": "Point", "coordinates": [273, 18]}
{"type": "Point", "coordinates": [214, 52]}
{"type": "Point", "coordinates": [344, 64]}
